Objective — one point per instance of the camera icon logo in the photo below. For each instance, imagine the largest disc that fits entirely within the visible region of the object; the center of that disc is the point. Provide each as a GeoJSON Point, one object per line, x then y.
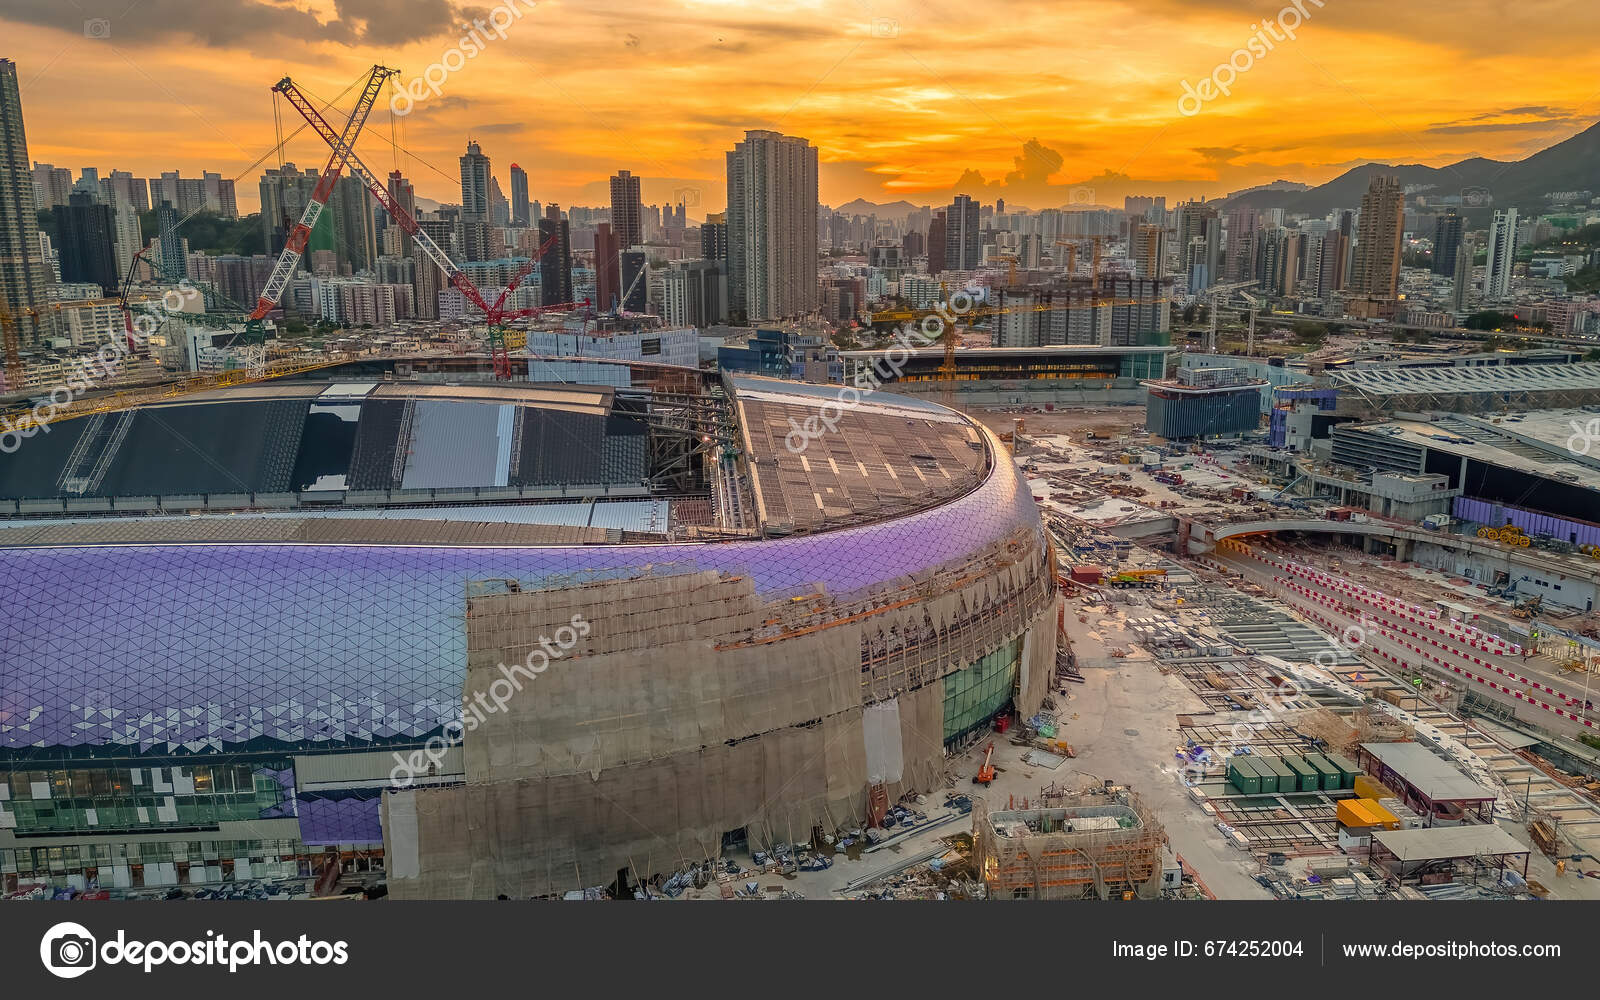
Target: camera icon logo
{"type": "Point", "coordinates": [1476, 197]}
{"type": "Point", "coordinates": [68, 950]}
{"type": "Point", "coordinates": [1081, 196]}
{"type": "Point", "coordinates": [885, 27]}
{"type": "Point", "coordinates": [687, 196]}
{"type": "Point", "coordinates": [97, 27]}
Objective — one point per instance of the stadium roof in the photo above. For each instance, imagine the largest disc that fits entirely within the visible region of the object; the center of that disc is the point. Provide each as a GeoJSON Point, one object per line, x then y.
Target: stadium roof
{"type": "Point", "coordinates": [1481, 378]}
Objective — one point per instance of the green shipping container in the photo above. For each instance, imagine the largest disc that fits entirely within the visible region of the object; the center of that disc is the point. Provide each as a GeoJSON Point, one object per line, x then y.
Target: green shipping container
{"type": "Point", "coordinates": [1306, 776]}
{"type": "Point", "coordinates": [1269, 777]}
{"type": "Point", "coordinates": [1288, 781]}
{"type": "Point", "coordinates": [1347, 769]}
{"type": "Point", "coordinates": [1329, 773]}
{"type": "Point", "coordinates": [1243, 776]}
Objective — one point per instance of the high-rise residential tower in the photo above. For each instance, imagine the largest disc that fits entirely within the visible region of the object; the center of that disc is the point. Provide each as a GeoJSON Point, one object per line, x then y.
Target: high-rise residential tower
{"type": "Point", "coordinates": [519, 197]}
{"type": "Point", "coordinates": [772, 227]}
{"type": "Point", "coordinates": [1375, 274]}
{"type": "Point", "coordinates": [963, 239]}
{"type": "Point", "coordinates": [555, 267]}
{"type": "Point", "coordinates": [627, 213]}
{"type": "Point", "coordinates": [24, 272]}
{"type": "Point", "coordinates": [1446, 241]}
{"type": "Point", "coordinates": [1502, 255]}
{"type": "Point", "coordinates": [474, 203]}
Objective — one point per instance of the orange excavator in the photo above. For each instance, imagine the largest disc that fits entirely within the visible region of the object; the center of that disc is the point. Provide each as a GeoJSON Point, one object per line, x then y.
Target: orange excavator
{"type": "Point", "coordinates": [986, 769]}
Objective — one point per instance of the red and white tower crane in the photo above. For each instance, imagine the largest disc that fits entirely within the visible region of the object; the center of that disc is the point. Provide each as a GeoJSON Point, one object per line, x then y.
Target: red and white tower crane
{"type": "Point", "coordinates": [496, 315]}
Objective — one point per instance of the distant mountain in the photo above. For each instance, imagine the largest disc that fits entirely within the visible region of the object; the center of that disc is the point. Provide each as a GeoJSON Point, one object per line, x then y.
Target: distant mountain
{"type": "Point", "coordinates": [893, 210]}
{"type": "Point", "coordinates": [1572, 165]}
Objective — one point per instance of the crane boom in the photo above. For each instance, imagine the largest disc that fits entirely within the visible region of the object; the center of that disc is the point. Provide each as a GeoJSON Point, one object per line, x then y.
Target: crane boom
{"type": "Point", "coordinates": [294, 246]}
{"type": "Point", "coordinates": [375, 187]}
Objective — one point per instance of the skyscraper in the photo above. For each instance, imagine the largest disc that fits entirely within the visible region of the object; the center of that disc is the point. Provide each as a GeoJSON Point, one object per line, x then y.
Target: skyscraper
{"type": "Point", "coordinates": [1462, 279]}
{"type": "Point", "coordinates": [1375, 275]}
{"type": "Point", "coordinates": [555, 267]}
{"type": "Point", "coordinates": [635, 278]}
{"type": "Point", "coordinates": [354, 229]}
{"type": "Point", "coordinates": [24, 272]}
{"type": "Point", "coordinates": [85, 233]}
{"type": "Point", "coordinates": [1502, 255]}
{"type": "Point", "coordinates": [627, 214]}
{"type": "Point", "coordinates": [1243, 226]}
{"type": "Point", "coordinates": [714, 238]}
{"type": "Point", "coordinates": [607, 267]}
{"type": "Point", "coordinates": [1446, 241]}
{"type": "Point", "coordinates": [136, 189]}
{"type": "Point", "coordinates": [936, 240]}
{"type": "Point", "coordinates": [963, 239]}
{"type": "Point", "coordinates": [170, 262]}
{"type": "Point", "coordinates": [1202, 260]}
{"type": "Point", "coordinates": [499, 204]}
{"type": "Point", "coordinates": [475, 204]}
{"type": "Point", "coordinates": [1149, 251]}
{"type": "Point", "coordinates": [405, 196]}
{"type": "Point", "coordinates": [519, 197]}
{"type": "Point", "coordinates": [772, 227]}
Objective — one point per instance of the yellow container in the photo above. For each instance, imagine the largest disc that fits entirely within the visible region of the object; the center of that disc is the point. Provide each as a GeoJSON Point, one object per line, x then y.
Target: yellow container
{"type": "Point", "coordinates": [1365, 814]}
{"type": "Point", "coordinates": [1368, 787]}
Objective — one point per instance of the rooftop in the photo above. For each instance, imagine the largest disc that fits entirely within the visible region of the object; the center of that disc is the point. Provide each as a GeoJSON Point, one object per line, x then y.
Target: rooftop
{"type": "Point", "coordinates": [1393, 381]}
{"type": "Point", "coordinates": [1431, 775]}
{"type": "Point", "coordinates": [1440, 843]}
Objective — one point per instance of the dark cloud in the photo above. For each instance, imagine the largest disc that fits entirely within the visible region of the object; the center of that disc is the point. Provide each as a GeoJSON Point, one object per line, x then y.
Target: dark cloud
{"type": "Point", "coordinates": [243, 23]}
{"type": "Point", "coordinates": [1217, 157]}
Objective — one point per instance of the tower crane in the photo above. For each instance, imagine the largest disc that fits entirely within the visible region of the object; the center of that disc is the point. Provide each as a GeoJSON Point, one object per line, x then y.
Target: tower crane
{"type": "Point", "coordinates": [122, 298]}
{"type": "Point", "coordinates": [16, 376]}
{"type": "Point", "coordinates": [1214, 294]}
{"type": "Point", "coordinates": [496, 315]}
{"type": "Point", "coordinates": [294, 246]}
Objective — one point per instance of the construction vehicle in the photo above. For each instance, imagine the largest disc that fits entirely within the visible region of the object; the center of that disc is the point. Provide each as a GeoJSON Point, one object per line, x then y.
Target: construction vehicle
{"type": "Point", "coordinates": [1138, 578]}
{"type": "Point", "coordinates": [985, 770]}
{"type": "Point", "coordinates": [1526, 609]}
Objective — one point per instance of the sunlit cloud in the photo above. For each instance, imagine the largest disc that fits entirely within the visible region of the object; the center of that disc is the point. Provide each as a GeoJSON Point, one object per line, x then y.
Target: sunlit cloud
{"type": "Point", "coordinates": [903, 100]}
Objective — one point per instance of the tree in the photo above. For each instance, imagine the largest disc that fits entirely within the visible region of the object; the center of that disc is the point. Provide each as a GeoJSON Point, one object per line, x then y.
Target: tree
{"type": "Point", "coordinates": [1487, 319]}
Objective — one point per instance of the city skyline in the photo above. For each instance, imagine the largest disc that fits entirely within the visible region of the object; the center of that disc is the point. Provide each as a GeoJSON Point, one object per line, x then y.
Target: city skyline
{"type": "Point", "coordinates": [889, 119]}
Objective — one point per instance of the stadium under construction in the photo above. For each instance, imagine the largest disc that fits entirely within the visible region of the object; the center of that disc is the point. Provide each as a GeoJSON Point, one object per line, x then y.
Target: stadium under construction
{"type": "Point", "coordinates": [247, 626]}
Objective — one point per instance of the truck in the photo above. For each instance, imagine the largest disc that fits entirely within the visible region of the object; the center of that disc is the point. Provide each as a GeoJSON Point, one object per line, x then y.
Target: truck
{"type": "Point", "coordinates": [1436, 522]}
{"type": "Point", "coordinates": [1168, 478]}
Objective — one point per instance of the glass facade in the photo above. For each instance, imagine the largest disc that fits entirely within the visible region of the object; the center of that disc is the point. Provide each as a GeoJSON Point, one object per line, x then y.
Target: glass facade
{"type": "Point", "coordinates": [975, 693]}
{"type": "Point", "coordinates": [101, 800]}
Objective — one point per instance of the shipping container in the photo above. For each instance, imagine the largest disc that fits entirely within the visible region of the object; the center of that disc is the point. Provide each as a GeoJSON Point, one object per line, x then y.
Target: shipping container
{"type": "Point", "coordinates": [1243, 776]}
{"type": "Point", "coordinates": [1347, 769]}
{"type": "Point", "coordinates": [1269, 777]}
{"type": "Point", "coordinates": [1328, 773]}
{"type": "Point", "coordinates": [1306, 777]}
{"type": "Point", "coordinates": [1287, 780]}
{"type": "Point", "coordinates": [1368, 787]}
{"type": "Point", "coordinates": [1087, 574]}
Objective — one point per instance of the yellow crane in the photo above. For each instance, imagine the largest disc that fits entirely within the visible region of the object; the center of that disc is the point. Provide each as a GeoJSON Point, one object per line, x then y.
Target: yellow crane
{"type": "Point", "coordinates": [16, 377]}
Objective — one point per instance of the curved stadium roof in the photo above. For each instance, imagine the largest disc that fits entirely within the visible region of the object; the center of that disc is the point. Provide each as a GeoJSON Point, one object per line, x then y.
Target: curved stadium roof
{"type": "Point", "coordinates": [203, 646]}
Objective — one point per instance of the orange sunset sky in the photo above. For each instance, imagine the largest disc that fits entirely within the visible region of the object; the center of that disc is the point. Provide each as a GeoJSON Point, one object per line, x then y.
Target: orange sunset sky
{"type": "Point", "coordinates": [1025, 100]}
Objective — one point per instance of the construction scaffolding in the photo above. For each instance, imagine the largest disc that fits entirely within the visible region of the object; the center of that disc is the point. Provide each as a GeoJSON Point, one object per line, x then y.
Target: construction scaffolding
{"type": "Point", "coordinates": [1095, 845]}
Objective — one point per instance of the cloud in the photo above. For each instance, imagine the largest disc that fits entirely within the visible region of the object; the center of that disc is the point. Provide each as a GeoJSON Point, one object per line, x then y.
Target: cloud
{"type": "Point", "coordinates": [244, 23]}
